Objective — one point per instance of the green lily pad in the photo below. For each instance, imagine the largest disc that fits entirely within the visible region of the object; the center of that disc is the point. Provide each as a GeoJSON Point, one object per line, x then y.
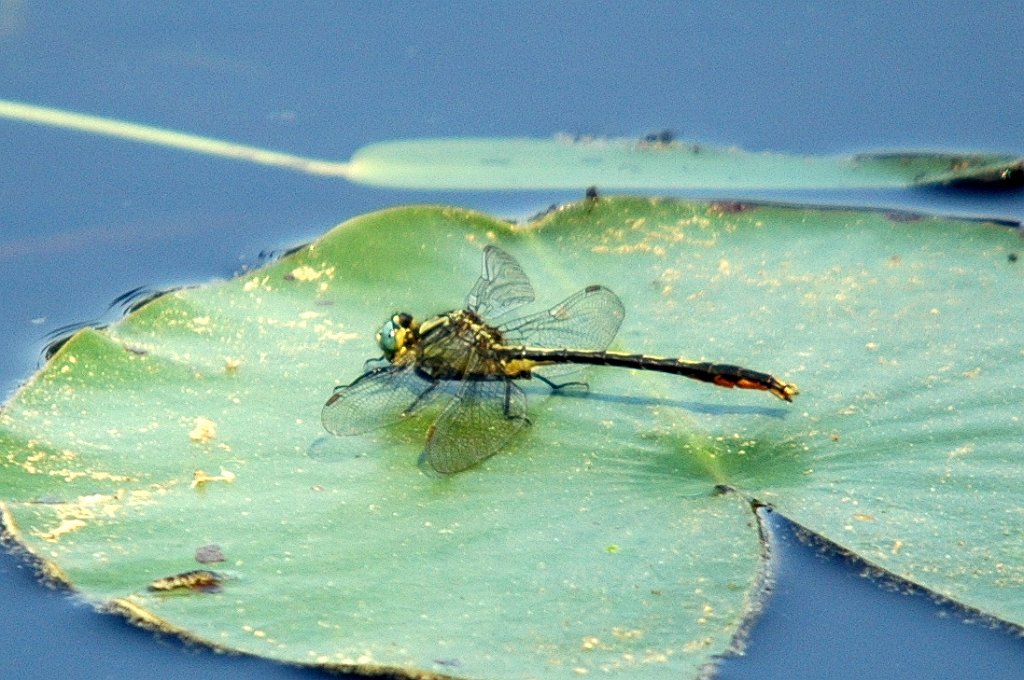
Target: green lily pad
{"type": "Point", "coordinates": [656, 162]}
{"type": "Point", "coordinates": [566, 163]}
{"type": "Point", "coordinates": [599, 539]}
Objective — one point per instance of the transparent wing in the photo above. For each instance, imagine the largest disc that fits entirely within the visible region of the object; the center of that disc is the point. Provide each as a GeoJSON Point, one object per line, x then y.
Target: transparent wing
{"type": "Point", "coordinates": [587, 320]}
{"type": "Point", "coordinates": [377, 398]}
{"type": "Point", "coordinates": [502, 285]}
{"type": "Point", "coordinates": [476, 424]}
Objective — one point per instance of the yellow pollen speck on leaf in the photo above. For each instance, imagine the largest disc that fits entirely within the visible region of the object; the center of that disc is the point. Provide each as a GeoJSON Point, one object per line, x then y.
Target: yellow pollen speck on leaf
{"type": "Point", "coordinates": [305, 273]}
{"type": "Point", "coordinates": [627, 633]}
{"type": "Point", "coordinates": [201, 478]}
{"type": "Point", "coordinates": [202, 325]}
{"type": "Point", "coordinates": [256, 283]}
{"type": "Point", "coordinates": [65, 527]}
{"type": "Point", "coordinates": [203, 430]}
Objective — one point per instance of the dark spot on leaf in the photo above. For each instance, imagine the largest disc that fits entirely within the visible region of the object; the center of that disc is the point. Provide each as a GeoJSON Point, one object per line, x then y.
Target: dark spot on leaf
{"type": "Point", "coordinates": [1012, 257]}
{"type": "Point", "coordinates": [266, 256]}
{"type": "Point", "coordinates": [450, 663]}
{"type": "Point", "coordinates": [722, 489]}
{"type": "Point", "coordinates": [730, 207]}
{"type": "Point", "coordinates": [660, 137]}
{"type": "Point", "coordinates": [209, 553]}
{"type": "Point", "coordinates": [294, 249]}
{"type": "Point", "coordinates": [540, 214]}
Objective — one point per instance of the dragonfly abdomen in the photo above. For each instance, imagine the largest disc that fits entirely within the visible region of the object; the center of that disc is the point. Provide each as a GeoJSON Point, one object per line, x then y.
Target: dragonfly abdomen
{"type": "Point", "coordinates": [724, 375]}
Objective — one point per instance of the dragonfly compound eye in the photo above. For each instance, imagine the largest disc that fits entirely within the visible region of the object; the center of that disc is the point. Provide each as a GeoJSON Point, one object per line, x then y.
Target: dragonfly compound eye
{"type": "Point", "coordinates": [386, 338]}
{"type": "Point", "coordinates": [394, 334]}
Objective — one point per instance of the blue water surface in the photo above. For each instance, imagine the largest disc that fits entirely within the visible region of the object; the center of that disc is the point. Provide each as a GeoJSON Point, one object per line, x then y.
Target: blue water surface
{"type": "Point", "coordinates": [84, 219]}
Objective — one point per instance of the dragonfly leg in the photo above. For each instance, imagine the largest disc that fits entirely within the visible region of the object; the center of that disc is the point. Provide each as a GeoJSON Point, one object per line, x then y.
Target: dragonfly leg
{"type": "Point", "coordinates": [507, 407]}
{"type": "Point", "coordinates": [421, 399]}
{"type": "Point", "coordinates": [557, 386]}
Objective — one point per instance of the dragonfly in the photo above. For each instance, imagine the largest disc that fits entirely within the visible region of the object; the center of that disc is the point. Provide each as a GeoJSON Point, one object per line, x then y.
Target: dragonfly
{"type": "Point", "coordinates": [470, 360]}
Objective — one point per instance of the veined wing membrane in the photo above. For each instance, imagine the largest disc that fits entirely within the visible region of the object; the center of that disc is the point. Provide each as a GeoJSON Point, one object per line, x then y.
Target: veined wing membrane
{"type": "Point", "coordinates": [587, 320]}
{"type": "Point", "coordinates": [476, 424]}
{"type": "Point", "coordinates": [502, 285]}
{"type": "Point", "coordinates": [376, 399]}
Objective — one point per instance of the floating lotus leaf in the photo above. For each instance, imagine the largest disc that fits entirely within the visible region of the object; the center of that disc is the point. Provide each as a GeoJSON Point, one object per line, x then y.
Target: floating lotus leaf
{"type": "Point", "coordinates": [603, 538]}
{"type": "Point", "coordinates": [658, 161]}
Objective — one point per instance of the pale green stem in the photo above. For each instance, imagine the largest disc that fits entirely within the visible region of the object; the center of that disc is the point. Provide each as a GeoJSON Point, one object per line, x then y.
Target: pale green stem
{"type": "Point", "coordinates": [42, 115]}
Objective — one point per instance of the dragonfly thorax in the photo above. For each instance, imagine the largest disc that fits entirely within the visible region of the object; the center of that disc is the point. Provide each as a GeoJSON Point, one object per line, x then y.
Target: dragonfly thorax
{"type": "Point", "coordinates": [458, 345]}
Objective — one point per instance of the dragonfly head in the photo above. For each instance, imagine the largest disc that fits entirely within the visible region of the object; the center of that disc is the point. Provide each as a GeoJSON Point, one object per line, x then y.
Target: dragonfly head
{"type": "Point", "coordinates": [397, 333]}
